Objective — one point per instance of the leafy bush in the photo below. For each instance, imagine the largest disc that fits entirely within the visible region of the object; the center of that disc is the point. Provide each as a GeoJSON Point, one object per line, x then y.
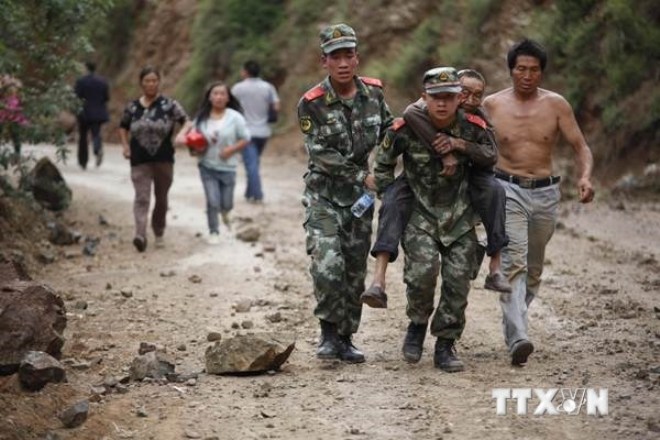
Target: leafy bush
{"type": "Point", "coordinates": [225, 34]}
{"type": "Point", "coordinates": [39, 42]}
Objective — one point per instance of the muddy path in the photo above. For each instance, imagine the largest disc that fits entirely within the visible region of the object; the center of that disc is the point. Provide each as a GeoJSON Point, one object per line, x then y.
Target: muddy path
{"type": "Point", "coordinates": [594, 326]}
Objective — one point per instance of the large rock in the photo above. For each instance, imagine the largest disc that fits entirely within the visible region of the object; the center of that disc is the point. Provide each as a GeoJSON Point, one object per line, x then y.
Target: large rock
{"type": "Point", "coordinates": [32, 318]}
{"type": "Point", "coordinates": [48, 186]}
{"type": "Point", "coordinates": [248, 354]}
{"type": "Point", "coordinates": [38, 368]}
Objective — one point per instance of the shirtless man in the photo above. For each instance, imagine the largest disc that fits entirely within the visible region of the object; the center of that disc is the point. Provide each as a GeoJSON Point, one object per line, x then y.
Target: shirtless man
{"type": "Point", "coordinates": [528, 121]}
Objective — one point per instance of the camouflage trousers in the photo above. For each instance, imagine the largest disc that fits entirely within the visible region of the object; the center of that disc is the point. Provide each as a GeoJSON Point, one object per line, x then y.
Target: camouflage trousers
{"type": "Point", "coordinates": [338, 244]}
{"type": "Point", "coordinates": [421, 269]}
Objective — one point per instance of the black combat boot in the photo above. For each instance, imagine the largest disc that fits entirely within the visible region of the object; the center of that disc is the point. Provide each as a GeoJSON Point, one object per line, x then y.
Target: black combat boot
{"type": "Point", "coordinates": [413, 344]}
{"type": "Point", "coordinates": [329, 345]}
{"type": "Point", "coordinates": [349, 352]}
{"type": "Point", "coordinates": [445, 356]}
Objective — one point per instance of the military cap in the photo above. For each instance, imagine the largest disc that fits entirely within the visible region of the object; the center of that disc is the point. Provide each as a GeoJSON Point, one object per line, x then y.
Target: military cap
{"type": "Point", "coordinates": [442, 80]}
{"type": "Point", "coordinates": [337, 36]}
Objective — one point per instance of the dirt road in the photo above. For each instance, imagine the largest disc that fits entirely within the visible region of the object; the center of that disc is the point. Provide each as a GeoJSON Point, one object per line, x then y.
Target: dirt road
{"type": "Point", "coordinates": [594, 326]}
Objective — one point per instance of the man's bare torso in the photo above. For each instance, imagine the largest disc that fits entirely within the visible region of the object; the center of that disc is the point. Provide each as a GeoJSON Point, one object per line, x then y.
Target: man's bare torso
{"type": "Point", "coordinates": [526, 130]}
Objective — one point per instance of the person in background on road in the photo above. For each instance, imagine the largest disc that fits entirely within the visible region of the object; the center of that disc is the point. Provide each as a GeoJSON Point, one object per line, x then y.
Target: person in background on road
{"type": "Point", "coordinates": [220, 120]}
{"type": "Point", "coordinates": [256, 97]}
{"type": "Point", "coordinates": [93, 90]}
{"type": "Point", "coordinates": [442, 219]}
{"type": "Point", "coordinates": [528, 121]}
{"type": "Point", "coordinates": [486, 195]}
{"type": "Point", "coordinates": [342, 119]}
{"type": "Point", "coordinates": [149, 123]}
{"type": "Point", "coordinates": [12, 118]}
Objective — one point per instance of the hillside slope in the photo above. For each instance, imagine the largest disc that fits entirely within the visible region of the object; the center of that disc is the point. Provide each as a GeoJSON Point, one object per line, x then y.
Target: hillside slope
{"type": "Point", "coordinates": [196, 41]}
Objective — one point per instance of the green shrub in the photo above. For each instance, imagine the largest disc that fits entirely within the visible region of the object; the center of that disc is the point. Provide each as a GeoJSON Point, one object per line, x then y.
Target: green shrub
{"type": "Point", "coordinates": [225, 34]}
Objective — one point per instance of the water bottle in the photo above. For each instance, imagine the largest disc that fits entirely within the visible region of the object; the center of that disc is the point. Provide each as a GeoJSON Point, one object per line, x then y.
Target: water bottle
{"type": "Point", "coordinates": [362, 204]}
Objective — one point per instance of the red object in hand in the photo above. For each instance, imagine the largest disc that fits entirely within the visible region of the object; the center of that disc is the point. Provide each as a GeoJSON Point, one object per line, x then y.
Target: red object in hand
{"type": "Point", "coordinates": [196, 140]}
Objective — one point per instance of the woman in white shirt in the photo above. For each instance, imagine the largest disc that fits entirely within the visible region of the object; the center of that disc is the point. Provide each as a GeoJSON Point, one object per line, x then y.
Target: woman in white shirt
{"type": "Point", "coordinates": [220, 121]}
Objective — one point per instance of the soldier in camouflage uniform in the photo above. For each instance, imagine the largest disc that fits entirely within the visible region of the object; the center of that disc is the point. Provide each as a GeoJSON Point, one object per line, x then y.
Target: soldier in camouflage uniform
{"type": "Point", "coordinates": [486, 194]}
{"type": "Point", "coordinates": [343, 119]}
{"type": "Point", "coordinates": [442, 221]}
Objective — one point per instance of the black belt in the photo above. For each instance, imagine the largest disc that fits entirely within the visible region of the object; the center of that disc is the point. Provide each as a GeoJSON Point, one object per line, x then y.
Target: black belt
{"type": "Point", "coordinates": [527, 182]}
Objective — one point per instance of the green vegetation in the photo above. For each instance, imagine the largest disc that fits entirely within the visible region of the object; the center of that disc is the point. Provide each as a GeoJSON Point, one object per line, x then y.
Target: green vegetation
{"type": "Point", "coordinates": [225, 34]}
{"type": "Point", "coordinates": [606, 50]}
{"type": "Point", "coordinates": [449, 36]}
{"type": "Point", "coordinates": [39, 43]}
{"type": "Point", "coordinates": [112, 34]}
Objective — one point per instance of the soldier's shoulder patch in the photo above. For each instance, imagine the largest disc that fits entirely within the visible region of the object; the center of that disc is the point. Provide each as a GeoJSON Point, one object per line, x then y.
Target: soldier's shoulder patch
{"type": "Point", "coordinates": [314, 93]}
{"type": "Point", "coordinates": [387, 141]}
{"type": "Point", "coordinates": [372, 81]}
{"type": "Point", "coordinates": [398, 124]}
{"type": "Point", "coordinates": [305, 124]}
{"type": "Point", "coordinates": [476, 120]}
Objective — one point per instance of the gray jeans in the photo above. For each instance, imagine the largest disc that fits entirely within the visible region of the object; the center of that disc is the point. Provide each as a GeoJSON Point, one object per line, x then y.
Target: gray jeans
{"type": "Point", "coordinates": [531, 215]}
{"type": "Point", "coordinates": [219, 191]}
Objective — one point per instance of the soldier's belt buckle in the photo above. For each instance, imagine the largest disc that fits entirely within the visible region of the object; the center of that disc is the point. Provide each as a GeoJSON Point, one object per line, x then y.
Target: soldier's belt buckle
{"type": "Point", "coordinates": [528, 183]}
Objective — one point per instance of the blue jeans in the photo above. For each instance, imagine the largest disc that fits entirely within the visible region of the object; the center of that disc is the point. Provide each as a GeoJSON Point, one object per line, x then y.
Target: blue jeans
{"type": "Point", "coordinates": [251, 159]}
{"type": "Point", "coordinates": [219, 191]}
{"type": "Point", "coordinates": [531, 215]}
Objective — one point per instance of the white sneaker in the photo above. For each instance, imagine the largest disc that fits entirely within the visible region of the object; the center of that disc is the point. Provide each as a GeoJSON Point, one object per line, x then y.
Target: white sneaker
{"type": "Point", "coordinates": [214, 238]}
{"type": "Point", "coordinates": [159, 243]}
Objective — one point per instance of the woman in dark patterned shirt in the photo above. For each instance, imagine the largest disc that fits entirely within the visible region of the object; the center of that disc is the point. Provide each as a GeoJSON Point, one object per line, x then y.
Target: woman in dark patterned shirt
{"type": "Point", "coordinates": [149, 123]}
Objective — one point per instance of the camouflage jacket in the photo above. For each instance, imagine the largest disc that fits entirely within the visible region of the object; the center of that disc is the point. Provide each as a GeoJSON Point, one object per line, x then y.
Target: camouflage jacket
{"type": "Point", "coordinates": [481, 155]}
{"type": "Point", "coordinates": [442, 205]}
{"type": "Point", "coordinates": [339, 138]}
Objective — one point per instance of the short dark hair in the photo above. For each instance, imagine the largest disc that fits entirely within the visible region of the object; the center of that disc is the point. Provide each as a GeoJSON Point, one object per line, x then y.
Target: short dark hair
{"type": "Point", "coordinates": [471, 73]}
{"type": "Point", "coordinates": [252, 68]}
{"type": "Point", "coordinates": [146, 70]}
{"type": "Point", "coordinates": [527, 47]}
{"type": "Point", "coordinates": [91, 66]}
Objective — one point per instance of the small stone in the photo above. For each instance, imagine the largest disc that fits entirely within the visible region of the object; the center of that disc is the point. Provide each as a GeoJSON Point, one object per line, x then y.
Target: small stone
{"type": "Point", "coordinates": [243, 306]}
{"type": "Point", "coordinates": [213, 294]}
{"type": "Point", "coordinates": [181, 347]}
{"type": "Point", "coordinates": [192, 434]}
{"type": "Point", "coordinates": [214, 336]}
{"type": "Point", "coordinates": [167, 274]}
{"type": "Point", "coordinates": [274, 317]}
{"type": "Point", "coordinates": [195, 279]}
{"type": "Point", "coordinates": [247, 324]}
{"type": "Point", "coordinates": [270, 247]}
{"type": "Point", "coordinates": [146, 347]}
{"type": "Point", "coordinates": [110, 382]}
{"type": "Point", "coordinates": [268, 414]}
{"type": "Point", "coordinates": [80, 305]}
{"type": "Point", "coordinates": [141, 412]}
{"type": "Point", "coordinates": [235, 325]}
{"type": "Point", "coordinates": [75, 415]}
{"type": "Point", "coordinates": [191, 382]}
{"type": "Point", "coordinates": [126, 293]}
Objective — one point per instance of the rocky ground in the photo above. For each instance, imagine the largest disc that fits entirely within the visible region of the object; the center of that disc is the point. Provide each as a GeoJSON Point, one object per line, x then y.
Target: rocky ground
{"type": "Point", "coordinates": [595, 325]}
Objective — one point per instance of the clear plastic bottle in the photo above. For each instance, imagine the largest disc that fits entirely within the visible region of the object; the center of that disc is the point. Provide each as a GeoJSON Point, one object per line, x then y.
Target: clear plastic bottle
{"type": "Point", "coordinates": [362, 204]}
